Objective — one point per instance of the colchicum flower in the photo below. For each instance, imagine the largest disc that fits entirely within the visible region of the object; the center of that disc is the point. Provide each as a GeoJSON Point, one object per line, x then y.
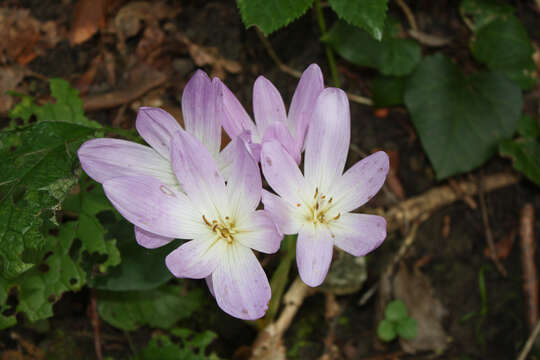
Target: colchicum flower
{"type": "Point", "coordinates": [220, 217]}
{"type": "Point", "coordinates": [317, 205]}
{"type": "Point", "coordinates": [104, 159]}
{"type": "Point", "coordinates": [271, 120]}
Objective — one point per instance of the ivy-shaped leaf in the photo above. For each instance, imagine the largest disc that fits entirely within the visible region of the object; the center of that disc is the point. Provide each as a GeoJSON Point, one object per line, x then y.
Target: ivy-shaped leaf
{"type": "Point", "coordinates": [368, 14]}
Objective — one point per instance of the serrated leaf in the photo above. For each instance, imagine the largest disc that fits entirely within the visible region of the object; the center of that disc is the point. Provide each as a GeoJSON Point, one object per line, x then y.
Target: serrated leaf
{"type": "Point", "coordinates": [368, 14]}
{"type": "Point", "coordinates": [388, 90]}
{"type": "Point", "coordinates": [391, 56]}
{"type": "Point", "coordinates": [406, 328]}
{"type": "Point", "coordinates": [386, 330]}
{"type": "Point", "coordinates": [525, 155]}
{"type": "Point", "coordinates": [485, 11]}
{"type": "Point", "coordinates": [460, 120]}
{"type": "Point", "coordinates": [271, 15]}
{"type": "Point", "coordinates": [38, 168]}
{"type": "Point", "coordinates": [161, 307]}
{"type": "Point", "coordinates": [395, 310]}
{"type": "Point", "coordinates": [503, 45]}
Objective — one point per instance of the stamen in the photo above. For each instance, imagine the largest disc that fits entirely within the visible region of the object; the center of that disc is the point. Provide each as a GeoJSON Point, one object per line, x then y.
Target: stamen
{"type": "Point", "coordinates": [317, 205]}
{"type": "Point", "coordinates": [206, 221]}
{"type": "Point", "coordinates": [316, 192]}
{"type": "Point", "coordinates": [337, 216]}
{"type": "Point", "coordinates": [298, 205]}
{"type": "Point", "coordinates": [330, 200]}
{"type": "Point", "coordinates": [323, 197]}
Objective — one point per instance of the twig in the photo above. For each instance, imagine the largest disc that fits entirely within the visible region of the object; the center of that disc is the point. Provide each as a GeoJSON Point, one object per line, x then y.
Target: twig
{"type": "Point", "coordinates": [297, 74]}
{"type": "Point", "coordinates": [487, 229]}
{"type": "Point", "coordinates": [94, 319]}
{"type": "Point", "coordinates": [408, 13]}
{"type": "Point", "coordinates": [530, 280]}
{"type": "Point", "coordinates": [328, 49]}
{"type": "Point", "coordinates": [530, 341]}
{"type": "Point", "coordinates": [466, 198]}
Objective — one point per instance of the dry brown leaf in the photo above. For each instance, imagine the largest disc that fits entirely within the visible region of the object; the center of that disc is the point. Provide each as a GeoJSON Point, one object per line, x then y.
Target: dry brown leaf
{"type": "Point", "coordinates": [130, 19]}
{"type": "Point", "coordinates": [10, 77]}
{"type": "Point", "coordinates": [88, 17]}
{"type": "Point", "coordinates": [203, 55]}
{"type": "Point", "coordinates": [503, 247]}
{"type": "Point", "coordinates": [414, 289]}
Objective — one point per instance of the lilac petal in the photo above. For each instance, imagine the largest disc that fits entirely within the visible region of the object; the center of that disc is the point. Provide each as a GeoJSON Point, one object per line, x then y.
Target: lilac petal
{"type": "Point", "coordinates": [157, 127]}
{"type": "Point", "coordinates": [197, 173]}
{"type": "Point", "coordinates": [284, 214]}
{"type": "Point", "coordinates": [240, 285]}
{"type": "Point", "coordinates": [328, 138]}
{"type": "Point", "coordinates": [104, 159]}
{"type": "Point", "coordinates": [235, 119]}
{"type": "Point", "coordinates": [153, 206]}
{"type": "Point", "coordinates": [196, 259]}
{"type": "Point", "coordinates": [224, 160]}
{"type": "Point", "coordinates": [268, 106]}
{"type": "Point", "coordinates": [150, 240]}
{"type": "Point", "coordinates": [362, 181]}
{"type": "Point", "coordinates": [253, 148]}
{"type": "Point", "coordinates": [359, 234]}
{"type": "Point", "coordinates": [259, 232]}
{"type": "Point", "coordinates": [244, 184]}
{"type": "Point", "coordinates": [278, 131]}
{"type": "Point", "coordinates": [210, 284]}
{"type": "Point", "coordinates": [314, 249]}
{"type": "Point", "coordinates": [303, 102]}
{"type": "Point", "coordinates": [199, 107]}
{"type": "Point", "coordinates": [281, 172]}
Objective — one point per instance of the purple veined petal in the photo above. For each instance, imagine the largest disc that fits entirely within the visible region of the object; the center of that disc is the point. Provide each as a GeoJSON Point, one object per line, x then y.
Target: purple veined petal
{"type": "Point", "coordinates": [150, 240]}
{"type": "Point", "coordinates": [199, 109]}
{"type": "Point", "coordinates": [210, 284]}
{"type": "Point", "coordinates": [362, 181]}
{"type": "Point", "coordinates": [268, 105]}
{"type": "Point", "coordinates": [278, 131]}
{"type": "Point", "coordinates": [155, 207]}
{"type": "Point", "coordinates": [240, 285]}
{"type": "Point", "coordinates": [104, 159]}
{"type": "Point", "coordinates": [157, 127]}
{"type": "Point", "coordinates": [257, 231]}
{"type": "Point", "coordinates": [197, 173]}
{"type": "Point", "coordinates": [253, 148]}
{"type": "Point", "coordinates": [328, 138]}
{"type": "Point", "coordinates": [285, 215]}
{"type": "Point", "coordinates": [224, 160]}
{"type": "Point", "coordinates": [235, 119]}
{"type": "Point", "coordinates": [303, 102]}
{"type": "Point", "coordinates": [281, 172]}
{"type": "Point", "coordinates": [244, 184]}
{"type": "Point", "coordinates": [196, 259]}
{"type": "Point", "coordinates": [314, 248]}
{"type": "Point", "coordinates": [359, 234]}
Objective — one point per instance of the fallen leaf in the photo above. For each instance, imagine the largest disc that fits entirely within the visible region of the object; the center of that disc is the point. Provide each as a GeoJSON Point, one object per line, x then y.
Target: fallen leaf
{"type": "Point", "coordinates": [87, 18]}
{"type": "Point", "coordinates": [503, 247]}
{"type": "Point", "coordinates": [10, 77]}
{"type": "Point", "coordinates": [414, 289]}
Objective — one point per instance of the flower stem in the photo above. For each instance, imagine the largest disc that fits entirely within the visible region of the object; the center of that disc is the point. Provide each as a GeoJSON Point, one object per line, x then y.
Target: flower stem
{"type": "Point", "coordinates": [329, 51]}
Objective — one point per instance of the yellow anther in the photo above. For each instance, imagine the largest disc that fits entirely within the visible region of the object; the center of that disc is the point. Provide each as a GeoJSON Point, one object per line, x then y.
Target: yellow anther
{"type": "Point", "coordinates": [206, 221]}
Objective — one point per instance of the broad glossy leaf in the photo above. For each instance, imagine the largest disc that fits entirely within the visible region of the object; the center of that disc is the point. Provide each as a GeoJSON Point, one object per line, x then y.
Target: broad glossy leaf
{"type": "Point", "coordinates": [368, 14]}
{"type": "Point", "coordinates": [270, 15]}
{"type": "Point", "coordinates": [460, 120]}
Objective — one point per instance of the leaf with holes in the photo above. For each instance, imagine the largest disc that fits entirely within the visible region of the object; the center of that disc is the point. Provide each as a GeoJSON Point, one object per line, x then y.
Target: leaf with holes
{"type": "Point", "coordinates": [460, 120]}
{"type": "Point", "coordinates": [368, 14]}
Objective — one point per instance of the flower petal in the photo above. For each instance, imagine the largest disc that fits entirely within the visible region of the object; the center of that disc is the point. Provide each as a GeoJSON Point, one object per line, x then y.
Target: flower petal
{"type": "Point", "coordinates": [259, 232]}
{"type": "Point", "coordinates": [362, 181]}
{"type": "Point", "coordinates": [154, 206]}
{"type": "Point", "coordinates": [199, 107]}
{"type": "Point", "coordinates": [284, 214]}
{"type": "Point", "coordinates": [104, 159]}
{"type": "Point", "coordinates": [240, 285]}
{"type": "Point", "coordinates": [314, 248]}
{"type": "Point", "coordinates": [210, 284]}
{"type": "Point", "coordinates": [278, 131]}
{"type": "Point", "coordinates": [150, 240]}
{"type": "Point", "coordinates": [198, 174]}
{"type": "Point", "coordinates": [268, 105]}
{"type": "Point", "coordinates": [244, 184]}
{"type": "Point", "coordinates": [303, 102]}
{"type": "Point", "coordinates": [359, 234]}
{"type": "Point", "coordinates": [157, 127]}
{"type": "Point", "coordinates": [328, 138]}
{"type": "Point", "coordinates": [196, 259]}
{"type": "Point", "coordinates": [235, 119]}
{"type": "Point", "coordinates": [281, 172]}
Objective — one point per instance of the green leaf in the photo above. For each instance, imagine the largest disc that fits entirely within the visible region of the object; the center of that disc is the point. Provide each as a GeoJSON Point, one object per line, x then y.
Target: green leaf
{"type": "Point", "coordinates": [386, 330]}
{"type": "Point", "coordinates": [503, 45]}
{"type": "Point", "coordinates": [525, 155]}
{"type": "Point", "coordinates": [528, 127]}
{"type": "Point", "coordinates": [368, 14]}
{"type": "Point", "coordinates": [395, 310]}
{"type": "Point", "coordinates": [163, 348]}
{"type": "Point", "coordinates": [391, 56]}
{"type": "Point", "coordinates": [161, 307]}
{"type": "Point", "coordinates": [388, 91]}
{"type": "Point", "coordinates": [270, 15]}
{"type": "Point", "coordinates": [406, 328]}
{"type": "Point", "coordinates": [485, 11]}
{"type": "Point", "coordinates": [40, 287]}
{"type": "Point", "coordinates": [460, 120]}
{"type": "Point", "coordinates": [37, 170]}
